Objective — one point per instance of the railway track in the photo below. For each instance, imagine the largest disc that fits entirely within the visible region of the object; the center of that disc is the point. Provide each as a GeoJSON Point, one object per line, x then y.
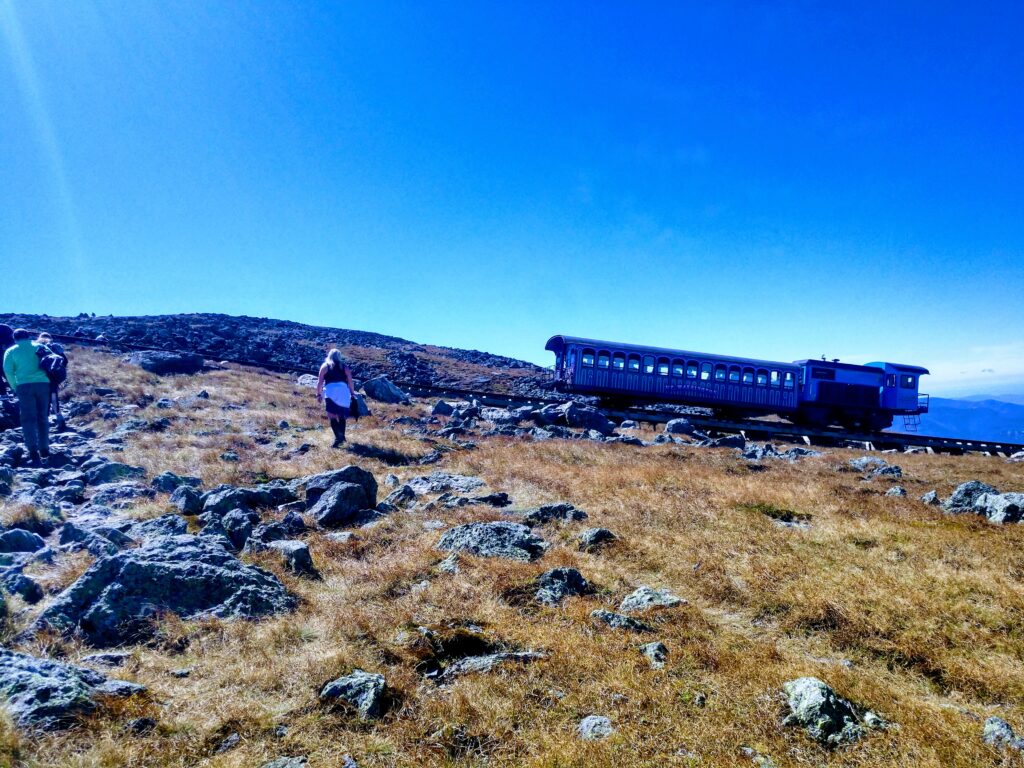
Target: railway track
{"type": "Point", "coordinates": [751, 429]}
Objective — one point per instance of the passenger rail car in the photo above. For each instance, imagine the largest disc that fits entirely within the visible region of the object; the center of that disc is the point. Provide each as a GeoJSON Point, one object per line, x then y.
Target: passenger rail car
{"type": "Point", "coordinates": [817, 392]}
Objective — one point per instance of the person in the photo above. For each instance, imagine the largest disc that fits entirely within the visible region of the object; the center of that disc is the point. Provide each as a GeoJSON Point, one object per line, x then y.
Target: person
{"type": "Point", "coordinates": [56, 348]}
{"type": "Point", "coordinates": [32, 385]}
{"type": "Point", "coordinates": [6, 342]}
{"type": "Point", "coordinates": [334, 387]}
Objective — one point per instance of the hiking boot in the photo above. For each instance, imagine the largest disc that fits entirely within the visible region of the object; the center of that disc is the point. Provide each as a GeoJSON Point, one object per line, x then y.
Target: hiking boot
{"type": "Point", "coordinates": [33, 459]}
{"type": "Point", "coordinates": [61, 425]}
{"type": "Point", "coordinates": [44, 460]}
{"type": "Point", "coordinates": [338, 442]}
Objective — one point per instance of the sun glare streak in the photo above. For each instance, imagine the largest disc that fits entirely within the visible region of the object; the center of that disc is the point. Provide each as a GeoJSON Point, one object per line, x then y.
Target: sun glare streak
{"type": "Point", "coordinates": [25, 71]}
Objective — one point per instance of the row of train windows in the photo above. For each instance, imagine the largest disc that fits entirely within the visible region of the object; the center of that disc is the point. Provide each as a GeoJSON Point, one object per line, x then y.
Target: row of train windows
{"type": "Point", "coordinates": [691, 369]}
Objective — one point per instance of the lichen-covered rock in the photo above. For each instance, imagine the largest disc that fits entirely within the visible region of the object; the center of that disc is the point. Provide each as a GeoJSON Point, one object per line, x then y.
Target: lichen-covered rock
{"type": "Point", "coordinates": [645, 598]}
{"type": "Point", "coordinates": [595, 539]}
{"type": "Point", "coordinates": [618, 621]}
{"type": "Point", "coordinates": [166, 363]}
{"type": "Point", "coordinates": [897, 490]}
{"type": "Point", "coordinates": [963, 497]}
{"type": "Point", "coordinates": [999, 734]}
{"type": "Point", "coordinates": [168, 482]}
{"type": "Point", "coordinates": [559, 583]}
{"type": "Point", "coordinates": [188, 500]}
{"type": "Point", "coordinates": [1000, 507]}
{"type": "Point", "coordinates": [117, 598]}
{"type": "Point", "coordinates": [18, 540]}
{"type": "Point", "coordinates": [383, 391]}
{"type": "Point", "coordinates": [363, 691]}
{"type": "Point", "coordinates": [513, 541]}
{"type": "Point", "coordinates": [296, 557]}
{"type": "Point", "coordinates": [931, 499]}
{"type": "Point", "coordinates": [42, 694]}
{"type": "Point", "coordinates": [340, 505]}
{"type": "Point", "coordinates": [594, 727]}
{"type": "Point", "coordinates": [314, 486]}
{"type": "Point", "coordinates": [562, 513]}
{"type": "Point", "coordinates": [439, 482]}
{"type": "Point", "coordinates": [656, 653]}
{"type": "Point", "coordinates": [484, 663]}
{"type": "Point", "coordinates": [113, 471]}
{"type": "Point", "coordinates": [828, 718]}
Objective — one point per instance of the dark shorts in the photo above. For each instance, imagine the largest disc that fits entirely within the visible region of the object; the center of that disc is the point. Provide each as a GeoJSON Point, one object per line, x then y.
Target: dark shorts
{"type": "Point", "coordinates": [333, 409]}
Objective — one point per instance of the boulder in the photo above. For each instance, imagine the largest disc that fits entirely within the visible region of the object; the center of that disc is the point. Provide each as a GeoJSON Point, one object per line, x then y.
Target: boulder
{"type": "Point", "coordinates": [559, 583]}
{"type": "Point", "coordinates": [360, 690]}
{"type": "Point", "coordinates": [963, 497]}
{"type": "Point", "coordinates": [383, 391]}
{"type": "Point", "coordinates": [263, 535]}
{"type": "Point", "coordinates": [120, 493]}
{"type": "Point", "coordinates": [238, 525]}
{"type": "Point", "coordinates": [296, 557]}
{"type": "Point", "coordinates": [439, 482]}
{"type": "Point", "coordinates": [17, 583]}
{"type": "Point", "coordinates": [164, 363]}
{"type": "Point", "coordinates": [868, 463]}
{"type": "Point", "coordinates": [594, 728]}
{"type": "Point", "coordinates": [484, 663]}
{"type": "Point", "coordinates": [42, 695]}
{"type": "Point", "coordinates": [728, 441]}
{"type": "Point", "coordinates": [165, 525]}
{"type": "Point", "coordinates": [1017, 457]}
{"type": "Point", "coordinates": [113, 471]}
{"type": "Point", "coordinates": [897, 490]}
{"type": "Point", "coordinates": [999, 734]}
{"type": "Point", "coordinates": [441, 408]}
{"type": "Point", "coordinates": [342, 504]}
{"type": "Point", "coordinates": [645, 598]}
{"type": "Point", "coordinates": [289, 762]}
{"type": "Point", "coordinates": [188, 500]}
{"type": "Point", "coordinates": [562, 513]}
{"type": "Point", "coordinates": [656, 653]}
{"type": "Point", "coordinates": [931, 499]}
{"type": "Point", "coordinates": [618, 621]}
{"type": "Point", "coordinates": [512, 541]}
{"type": "Point", "coordinates": [828, 718]}
{"type": "Point", "coordinates": [595, 539]}
{"type": "Point", "coordinates": [680, 427]}
{"type": "Point", "coordinates": [584, 417]}
{"type": "Point", "coordinates": [1000, 507]}
{"type": "Point", "coordinates": [315, 485]}
{"type": "Point", "coordinates": [18, 540]}
{"type": "Point", "coordinates": [168, 482]}
{"type": "Point", "coordinates": [307, 380]}
{"type": "Point", "coordinates": [116, 599]}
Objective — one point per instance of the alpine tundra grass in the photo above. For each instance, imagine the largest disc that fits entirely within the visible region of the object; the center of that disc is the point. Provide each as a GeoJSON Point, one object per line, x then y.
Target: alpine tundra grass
{"type": "Point", "coordinates": [911, 613]}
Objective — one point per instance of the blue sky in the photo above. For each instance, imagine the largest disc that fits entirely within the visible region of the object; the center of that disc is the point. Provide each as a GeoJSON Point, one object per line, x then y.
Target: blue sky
{"type": "Point", "coordinates": [773, 180]}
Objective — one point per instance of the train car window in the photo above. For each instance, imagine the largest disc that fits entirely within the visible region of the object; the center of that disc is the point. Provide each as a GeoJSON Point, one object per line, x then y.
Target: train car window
{"type": "Point", "coordinates": [774, 379]}
{"type": "Point", "coordinates": [648, 364]}
{"type": "Point", "coordinates": [602, 359]}
{"type": "Point", "coordinates": [748, 375]}
{"type": "Point", "coordinates": [618, 361]}
{"type": "Point", "coordinates": [663, 366]}
{"type": "Point", "coordinates": [691, 370]}
{"type": "Point", "coordinates": [734, 373]}
{"type": "Point", "coordinates": [762, 378]}
{"type": "Point", "coordinates": [588, 358]}
{"type": "Point", "coordinates": [677, 367]}
{"type": "Point", "coordinates": [907, 382]}
{"type": "Point", "coordinates": [890, 380]}
{"type": "Point", "coordinates": [719, 373]}
{"type": "Point", "coordinates": [825, 374]}
{"type": "Point", "coordinates": [634, 363]}
{"type": "Point", "coordinates": [705, 371]}
{"type": "Point", "coordinates": [788, 380]}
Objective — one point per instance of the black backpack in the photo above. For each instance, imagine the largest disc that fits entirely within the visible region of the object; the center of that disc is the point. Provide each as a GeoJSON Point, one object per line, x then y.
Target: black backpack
{"type": "Point", "coordinates": [54, 366]}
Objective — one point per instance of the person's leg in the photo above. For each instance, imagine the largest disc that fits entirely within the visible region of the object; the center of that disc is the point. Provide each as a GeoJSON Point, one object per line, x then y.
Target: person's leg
{"type": "Point", "coordinates": [339, 431]}
{"type": "Point", "coordinates": [55, 405]}
{"type": "Point", "coordinates": [42, 395]}
{"type": "Point", "coordinates": [29, 421]}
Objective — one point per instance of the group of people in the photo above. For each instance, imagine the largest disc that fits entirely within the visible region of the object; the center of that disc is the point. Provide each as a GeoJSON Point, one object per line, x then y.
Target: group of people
{"type": "Point", "coordinates": [34, 369]}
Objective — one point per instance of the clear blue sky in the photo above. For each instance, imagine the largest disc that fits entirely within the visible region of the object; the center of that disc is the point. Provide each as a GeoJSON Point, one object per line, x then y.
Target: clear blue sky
{"type": "Point", "coordinates": [774, 180]}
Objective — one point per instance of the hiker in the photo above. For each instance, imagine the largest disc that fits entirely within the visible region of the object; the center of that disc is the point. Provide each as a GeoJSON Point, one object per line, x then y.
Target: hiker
{"type": "Point", "coordinates": [57, 372]}
{"type": "Point", "coordinates": [28, 379]}
{"type": "Point", "coordinates": [334, 387]}
{"type": "Point", "coordinates": [6, 342]}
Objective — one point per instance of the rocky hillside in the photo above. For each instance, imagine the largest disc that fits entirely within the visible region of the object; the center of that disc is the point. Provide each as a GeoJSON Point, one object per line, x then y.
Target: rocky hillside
{"type": "Point", "coordinates": [293, 346]}
{"type": "Point", "coordinates": [197, 579]}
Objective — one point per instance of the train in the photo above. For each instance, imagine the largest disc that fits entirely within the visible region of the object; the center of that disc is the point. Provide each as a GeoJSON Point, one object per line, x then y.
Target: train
{"type": "Point", "coordinates": [814, 393]}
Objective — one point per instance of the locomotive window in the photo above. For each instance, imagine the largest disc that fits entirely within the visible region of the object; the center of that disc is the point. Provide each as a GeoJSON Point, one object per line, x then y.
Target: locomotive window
{"type": "Point", "coordinates": [648, 364]}
{"type": "Point", "coordinates": [762, 378]}
{"type": "Point", "coordinates": [907, 382]}
{"type": "Point", "coordinates": [602, 359]}
{"type": "Point", "coordinates": [663, 366]}
{"type": "Point", "coordinates": [734, 373]}
{"type": "Point", "coordinates": [775, 378]}
{"type": "Point", "coordinates": [825, 374]}
{"type": "Point", "coordinates": [634, 362]}
{"type": "Point", "coordinates": [588, 358]}
{"type": "Point", "coordinates": [691, 370]}
{"type": "Point", "coordinates": [748, 375]}
{"type": "Point", "coordinates": [677, 367]}
{"type": "Point", "coordinates": [618, 361]}
{"type": "Point", "coordinates": [719, 373]}
{"type": "Point", "coordinates": [705, 371]}
{"type": "Point", "coordinates": [787, 380]}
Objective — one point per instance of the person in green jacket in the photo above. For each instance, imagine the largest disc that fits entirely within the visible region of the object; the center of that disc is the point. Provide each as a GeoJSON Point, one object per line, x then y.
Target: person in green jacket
{"type": "Point", "coordinates": [30, 383]}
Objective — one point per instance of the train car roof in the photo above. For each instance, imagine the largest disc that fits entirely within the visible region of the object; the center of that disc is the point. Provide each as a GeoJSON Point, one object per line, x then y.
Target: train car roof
{"type": "Point", "coordinates": [901, 367]}
{"type": "Point", "coordinates": [556, 343]}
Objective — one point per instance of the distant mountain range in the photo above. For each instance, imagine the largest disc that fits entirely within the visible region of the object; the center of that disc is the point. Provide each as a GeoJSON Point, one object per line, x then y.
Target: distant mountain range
{"type": "Point", "coordinates": [976, 417]}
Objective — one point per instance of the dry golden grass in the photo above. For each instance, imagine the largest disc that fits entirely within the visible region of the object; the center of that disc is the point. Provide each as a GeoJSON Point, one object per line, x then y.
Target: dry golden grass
{"type": "Point", "coordinates": [928, 608]}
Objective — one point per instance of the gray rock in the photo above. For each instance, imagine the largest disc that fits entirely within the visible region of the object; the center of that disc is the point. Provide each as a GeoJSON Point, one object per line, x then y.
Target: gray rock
{"type": "Point", "coordinates": [897, 490]}
{"type": "Point", "coordinates": [618, 621]}
{"type": "Point", "coordinates": [1017, 457]}
{"type": "Point", "coordinates": [296, 556]}
{"type": "Point", "coordinates": [559, 583]}
{"type": "Point", "coordinates": [119, 493]}
{"type": "Point", "coordinates": [314, 486]}
{"type": "Point", "coordinates": [238, 525]}
{"type": "Point", "coordinates": [1000, 507]}
{"type": "Point", "coordinates": [868, 463]}
{"type": "Point", "coordinates": [595, 539]}
{"type": "Point", "coordinates": [998, 733]}
{"type": "Point", "coordinates": [680, 427]}
{"type": "Point", "coordinates": [18, 540]}
{"type": "Point", "coordinates": [484, 663]}
{"type": "Point", "coordinates": [168, 482]}
{"type": "Point", "coordinates": [187, 499]}
{"type": "Point", "coordinates": [229, 743]}
{"type": "Point", "coordinates": [401, 496]}
{"type": "Point", "coordinates": [439, 482]}
{"type": "Point", "coordinates": [361, 690]}
{"type": "Point", "coordinates": [891, 472]}
{"type": "Point", "coordinates": [116, 599]}
{"type": "Point", "coordinates": [450, 564]}
{"type": "Point", "coordinates": [499, 539]}
{"type": "Point", "coordinates": [645, 598]}
{"type": "Point", "coordinates": [141, 726]}
{"type": "Point", "coordinates": [828, 718]}
{"type": "Point", "coordinates": [963, 497]}
{"type": "Point", "coordinates": [931, 498]}
{"type": "Point", "coordinates": [17, 583]}
{"type": "Point", "coordinates": [289, 762]}
{"type": "Point", "coordinates": [112, 472]}
{"type": "Point", "coordinates": [629, 424]}
{"type": "Point", "coordinates": [307, 380]}
{"type": "Point", "coordinates": [383, 391]}
{"type": "Point", "coordinates": [263, 535]}
{"type": "Point", "coordinates": [165, 363]}
{"type": "Point", "coordinates": [340, 505]}
{"type": "Point", "coordinates": [585, 417]}
{"type": "Point", "coordinates": [43, 695]}
{"type": "Point", "coordinates": [728, 441]}
{"type": "Point", "coordinates": [165, 525]}
{"type": "Point", "coordinates": [563, 513]}
{"type": "Point", "coordinates": [108, 659]}
{"type": "Point", "coordinates": [656, 653]}
{"type": "Point", "coordinates": [594, 728]}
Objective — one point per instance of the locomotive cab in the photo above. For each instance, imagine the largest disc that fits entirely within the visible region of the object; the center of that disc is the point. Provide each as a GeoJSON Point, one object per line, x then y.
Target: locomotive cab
{"type": "Point", "coordinates": [900, 388]}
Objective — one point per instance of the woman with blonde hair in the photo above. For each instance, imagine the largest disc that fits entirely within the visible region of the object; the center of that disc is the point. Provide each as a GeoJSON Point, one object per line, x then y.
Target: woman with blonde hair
{"type": "Point", "coordinates": [334, 387]}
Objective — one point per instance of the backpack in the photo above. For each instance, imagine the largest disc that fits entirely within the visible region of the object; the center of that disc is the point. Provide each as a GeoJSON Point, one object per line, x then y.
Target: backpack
{"type": "Point", "coordinates": [54, 366]}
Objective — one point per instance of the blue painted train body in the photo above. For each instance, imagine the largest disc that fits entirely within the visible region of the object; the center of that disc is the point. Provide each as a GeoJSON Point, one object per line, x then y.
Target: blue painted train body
{"type": "Point", "coordinates": [818, 392]}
